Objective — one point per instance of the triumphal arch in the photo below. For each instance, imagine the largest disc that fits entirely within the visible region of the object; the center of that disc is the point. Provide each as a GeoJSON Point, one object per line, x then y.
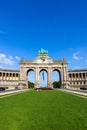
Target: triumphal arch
{"type": "Point", "coordinates": [44, 62]}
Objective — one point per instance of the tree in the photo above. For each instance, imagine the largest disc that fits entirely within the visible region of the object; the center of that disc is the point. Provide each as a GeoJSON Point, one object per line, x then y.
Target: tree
{"type": "Point", "coordinates": [56, 84]}
{"type": "Point", "coordinates": [30, 84]}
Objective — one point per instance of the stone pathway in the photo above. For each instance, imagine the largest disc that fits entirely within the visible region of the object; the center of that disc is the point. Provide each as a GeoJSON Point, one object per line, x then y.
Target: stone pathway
{"type": "Point", "coordinates": [8, 93]}
{"type": "Point", "coordinates": [77, 92]}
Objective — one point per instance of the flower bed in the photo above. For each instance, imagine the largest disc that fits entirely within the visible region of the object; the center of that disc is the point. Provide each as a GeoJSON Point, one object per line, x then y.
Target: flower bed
{"type": "Point", "coordinates": [43, 88]}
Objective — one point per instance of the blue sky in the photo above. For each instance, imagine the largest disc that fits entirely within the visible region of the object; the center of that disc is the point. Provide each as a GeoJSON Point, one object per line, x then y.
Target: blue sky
{"type": "Point", "coordinates": [59, 26]}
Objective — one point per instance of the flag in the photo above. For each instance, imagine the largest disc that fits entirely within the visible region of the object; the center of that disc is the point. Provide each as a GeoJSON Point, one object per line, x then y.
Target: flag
{"type": "Point", "coordinates": [43, 75]}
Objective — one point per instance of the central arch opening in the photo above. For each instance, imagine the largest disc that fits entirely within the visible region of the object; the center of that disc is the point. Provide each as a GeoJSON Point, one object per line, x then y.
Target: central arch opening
{"type": "Point", "coordinates": [56, 78]}
{"type": "Point", "coordinates": [43, 78]}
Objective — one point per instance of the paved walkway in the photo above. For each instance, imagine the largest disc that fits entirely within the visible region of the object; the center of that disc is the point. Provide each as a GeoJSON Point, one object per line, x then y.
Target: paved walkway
{"type": "Point", "coordinates": [12, 91]}
{"type": "Point", "coordinates": [78, 92]}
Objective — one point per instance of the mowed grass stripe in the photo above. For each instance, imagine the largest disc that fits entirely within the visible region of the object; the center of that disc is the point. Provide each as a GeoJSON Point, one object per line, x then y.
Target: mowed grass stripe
{"type": "Point", "coordinates": [44, 110]}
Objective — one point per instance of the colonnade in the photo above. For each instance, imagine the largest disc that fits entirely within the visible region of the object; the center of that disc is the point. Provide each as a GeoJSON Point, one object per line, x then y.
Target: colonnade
{"type": "Point", "coordinates": [77, 76]}
{"type": "Point", "coordinates": [9, 76]}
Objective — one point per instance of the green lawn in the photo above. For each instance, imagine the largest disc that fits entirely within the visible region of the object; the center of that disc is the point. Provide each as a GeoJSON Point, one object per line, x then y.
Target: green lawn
{"type": "Point", "coordinates": [44, 110]}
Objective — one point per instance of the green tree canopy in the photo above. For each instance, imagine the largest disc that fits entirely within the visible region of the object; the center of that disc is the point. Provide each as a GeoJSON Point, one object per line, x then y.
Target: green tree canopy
{"type": "Point", "coordinates": [30, 84]}
{"type": "Point", "coordinates": [56, 84]}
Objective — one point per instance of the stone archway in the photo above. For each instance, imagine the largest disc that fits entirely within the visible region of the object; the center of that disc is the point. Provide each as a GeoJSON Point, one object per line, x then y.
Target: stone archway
{"type": "Point", "coordinates": [44, 62]}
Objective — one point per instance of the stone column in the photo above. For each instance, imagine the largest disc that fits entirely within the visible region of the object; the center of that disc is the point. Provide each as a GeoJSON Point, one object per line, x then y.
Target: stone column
{"type": "Point", "coordinates": [66, 72]}
{"type": "Point", "coordinates": [78, 76]}
{"type": "Point", "coordinates": [8, 76]}
{"type": "Point", "coordinates": [62, 76]}
{"type": "Point", "coordinates": [81, 76]}
{"type": "Point", "coordinates": [50, 77]}
{"type": "Point", "coordinates": [86, 75]}
{"type": "Point", "coordinates": [23, 77]}
{"type": "Point", "coordinates": [37, 85]}
{"type": "Point", "coordinates": [3, 75]}
{"type": "Point", "coordinates": [15, 76]}
{"type": "Point", "coordinates": [75, 77]}
{"type": "Point", "coordinates": [71, 77]}
{"type": "Point", "coordinates": [0, 75]}
{"type": "Point", "coordinates": [12, 76]}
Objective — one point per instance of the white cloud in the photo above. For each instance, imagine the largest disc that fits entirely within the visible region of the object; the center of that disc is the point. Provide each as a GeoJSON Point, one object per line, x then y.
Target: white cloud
{"type": "Point", "coordinates": [5, 60]}
{"type": "Point", "coordinates": [75, 56]}
{"type": "Point", "coordinates": [10, 57]}
{"type": "Point", "coordinates": [18, 58]}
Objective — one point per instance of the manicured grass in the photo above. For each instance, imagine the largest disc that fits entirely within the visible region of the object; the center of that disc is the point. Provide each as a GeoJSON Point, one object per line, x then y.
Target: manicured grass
{"type": "Point", "coordinates": [44, 110]}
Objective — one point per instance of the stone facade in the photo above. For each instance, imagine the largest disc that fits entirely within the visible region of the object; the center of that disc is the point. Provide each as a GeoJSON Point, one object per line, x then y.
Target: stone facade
{"type": "Point", "coordinates": [9, 78]}
{"type": "Point", "coordinates": [68, 78]}
{"type": "Point", "coordinates": [77, 78]}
